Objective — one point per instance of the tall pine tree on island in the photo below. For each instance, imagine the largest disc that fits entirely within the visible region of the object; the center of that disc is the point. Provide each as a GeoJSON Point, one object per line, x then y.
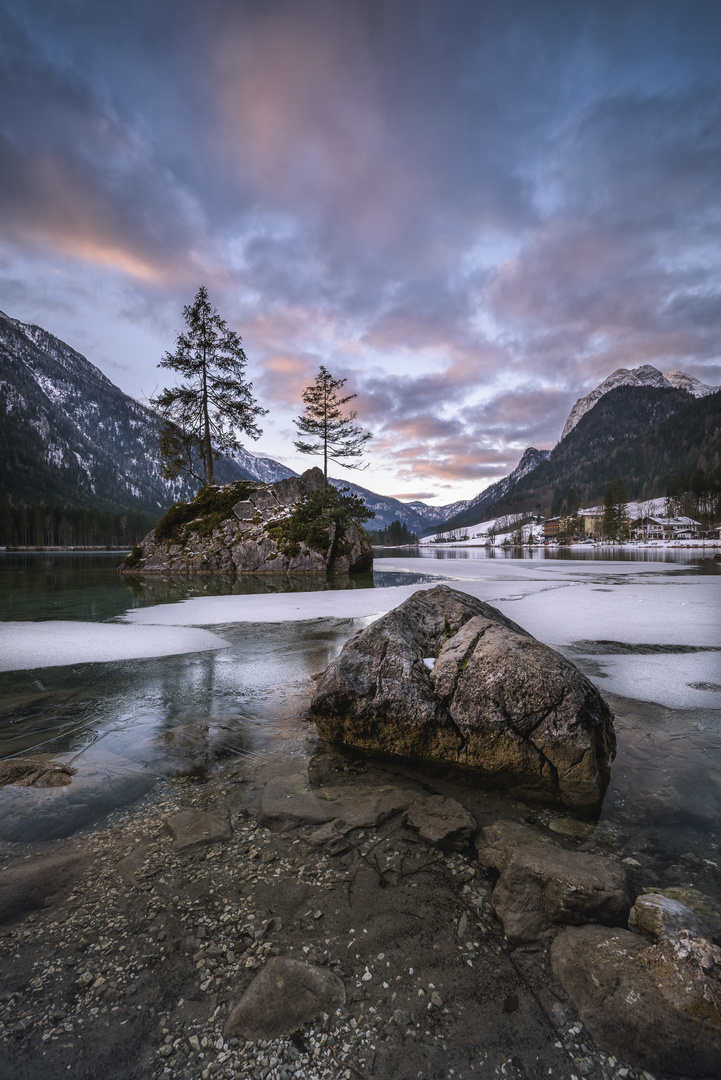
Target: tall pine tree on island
{"type": "Point", "coordinates": [205, 412]}
{"type": "Point", "coordinates": [325, 430]}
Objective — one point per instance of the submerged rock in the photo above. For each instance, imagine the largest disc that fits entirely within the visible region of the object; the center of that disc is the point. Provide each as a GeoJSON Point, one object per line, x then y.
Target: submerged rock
{"type": "Point", "coordinates": [217, 535]}
{"type": "Point", "coordinates": [285, 995]}
{"type": "Point", "coordinates": [656, 1006]}
{"type": "Point", "coordinates": [658, 917]}
{"type": "Point", "coordinates": [39, 771]}
{"type": "Point", "coordinates": [32, 884]}
{"type": "Point", "coordinates": [496, 701]}
{"type": "Point", "coordinates": [188, 829]}
{"type": "Point", "coordinates": [442, 822]}
{"type": "Point", "coordinates": [541, 889]}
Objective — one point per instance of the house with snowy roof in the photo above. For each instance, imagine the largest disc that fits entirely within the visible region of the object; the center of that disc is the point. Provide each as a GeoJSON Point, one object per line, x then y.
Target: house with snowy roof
{"type": "Point", "coordinates": [665, 528]}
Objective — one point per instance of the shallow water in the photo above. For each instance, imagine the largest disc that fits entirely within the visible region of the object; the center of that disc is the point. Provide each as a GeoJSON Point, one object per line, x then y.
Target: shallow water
{"type": "Point", "coordinates": [647, 632]}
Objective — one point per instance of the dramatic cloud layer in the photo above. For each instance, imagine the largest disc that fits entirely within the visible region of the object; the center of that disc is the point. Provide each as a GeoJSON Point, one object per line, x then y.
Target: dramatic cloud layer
{"type": "Point", "coordinates": [473, 211]}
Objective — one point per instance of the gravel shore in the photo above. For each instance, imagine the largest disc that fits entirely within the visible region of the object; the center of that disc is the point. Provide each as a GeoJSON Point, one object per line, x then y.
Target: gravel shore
{"type": "Point", "coordinates": [131, 970]}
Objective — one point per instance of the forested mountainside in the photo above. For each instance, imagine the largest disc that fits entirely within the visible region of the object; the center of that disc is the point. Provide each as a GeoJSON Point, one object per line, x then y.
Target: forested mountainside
{"type": "Point", "coordinates": [417, 516]}
{"type": "Point", "coordinates": [644, 434]}
{"type": "Point", "coordinates": [69, 435]}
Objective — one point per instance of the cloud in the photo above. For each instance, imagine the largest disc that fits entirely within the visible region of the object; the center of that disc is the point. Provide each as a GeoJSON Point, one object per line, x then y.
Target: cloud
{"type": "Point", "coordinates": [473, 213]}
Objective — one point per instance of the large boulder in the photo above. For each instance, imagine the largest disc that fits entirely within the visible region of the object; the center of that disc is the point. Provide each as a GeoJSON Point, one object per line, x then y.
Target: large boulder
{"type": "Point", "coordinates": [655, 1006]}
{"type": "Point", "coordinates": [217, 535]}
{"type": "Point", "coordinates": [446, 678]}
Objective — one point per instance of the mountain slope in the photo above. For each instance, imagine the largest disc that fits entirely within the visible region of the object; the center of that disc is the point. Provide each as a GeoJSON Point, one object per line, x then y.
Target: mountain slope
{"type": "Point", "coordinates": [474, 511]}
{"type": "Point", "coordinates": [416, 515]}
{"type": "Point", "coordinates": [69, 435]}
{"type": "Point", "coordinates": [644, 434]}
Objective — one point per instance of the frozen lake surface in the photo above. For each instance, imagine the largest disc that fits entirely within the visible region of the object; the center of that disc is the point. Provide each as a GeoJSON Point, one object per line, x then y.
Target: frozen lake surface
{"type": "Point", "coordinates": [116, 677]}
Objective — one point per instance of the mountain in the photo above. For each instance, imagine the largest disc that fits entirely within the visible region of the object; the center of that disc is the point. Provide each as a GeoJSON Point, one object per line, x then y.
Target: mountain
{"type": "Point", "coordinates": [416, 515]}
{"type": "Point", "coordinates": [645, 434]}
{"type": "Point", "coordinates": [472, 513]}
{"type": "Point", "coordinates": [646, 375]}
{"type": "Point", "coordinates": [69, 435]}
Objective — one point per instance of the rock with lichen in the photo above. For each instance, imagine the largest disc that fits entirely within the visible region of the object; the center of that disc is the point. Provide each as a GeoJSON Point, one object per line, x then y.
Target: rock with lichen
{"type": "Point", "coordinates": [495, 701]}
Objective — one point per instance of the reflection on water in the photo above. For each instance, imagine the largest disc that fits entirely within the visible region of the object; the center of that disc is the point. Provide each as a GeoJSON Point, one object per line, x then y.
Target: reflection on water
{"type": "Point", "coordinates": [85, 587]}
{"type": "Point", "coordinates": [167, 716]}
{"type": "Point", "coordinates": [688, 556]}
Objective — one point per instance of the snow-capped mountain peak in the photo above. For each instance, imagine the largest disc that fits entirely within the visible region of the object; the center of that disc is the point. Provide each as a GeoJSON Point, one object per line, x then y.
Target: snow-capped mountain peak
{"type": "Point", "coordinates": [681, 381]}
{"type": "Point", "coordinates": [646, 375]}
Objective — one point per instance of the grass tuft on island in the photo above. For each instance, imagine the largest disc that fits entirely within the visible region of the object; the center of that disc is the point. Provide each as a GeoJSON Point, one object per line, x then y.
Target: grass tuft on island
{"type": "Point", "coordinates": [210, 507]}
{"type": "Point", "coordinates": [314, 515]}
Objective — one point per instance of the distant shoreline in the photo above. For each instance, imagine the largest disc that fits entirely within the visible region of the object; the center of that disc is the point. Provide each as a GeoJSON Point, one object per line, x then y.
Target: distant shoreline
{"type": "Point", "coordinates": [69, 547]}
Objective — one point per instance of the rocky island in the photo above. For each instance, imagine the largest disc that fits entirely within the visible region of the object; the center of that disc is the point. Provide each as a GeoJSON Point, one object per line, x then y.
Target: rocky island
{"type": "Point", "coordinates": [297, 525]}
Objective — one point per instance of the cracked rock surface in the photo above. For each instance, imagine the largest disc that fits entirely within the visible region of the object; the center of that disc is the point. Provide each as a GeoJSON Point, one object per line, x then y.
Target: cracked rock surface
{"type": "Point", "coordinates": [496, 701]}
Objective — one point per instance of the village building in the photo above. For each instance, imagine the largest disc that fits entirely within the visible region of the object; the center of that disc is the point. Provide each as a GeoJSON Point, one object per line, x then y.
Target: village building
{"type": "Point", "coordinates": [665, 528]}
{"type": "Point", "coordinates": [550, 528]}
{"type": "Point", "coordinates": [592, 522]}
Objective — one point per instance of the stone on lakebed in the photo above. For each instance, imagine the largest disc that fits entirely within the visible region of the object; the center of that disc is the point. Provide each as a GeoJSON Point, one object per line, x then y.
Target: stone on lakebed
{"type": "Point", "coordinates": [285, 995]}
{"type": "Point", "coordinates": [496, 701]}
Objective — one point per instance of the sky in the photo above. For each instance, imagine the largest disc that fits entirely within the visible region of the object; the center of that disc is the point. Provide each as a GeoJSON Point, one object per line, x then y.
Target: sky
{"type": "Point", "coordinates": [473, 211]}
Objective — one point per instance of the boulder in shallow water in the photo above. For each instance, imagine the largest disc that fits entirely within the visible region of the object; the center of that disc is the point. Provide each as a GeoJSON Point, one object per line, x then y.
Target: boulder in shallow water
{"type": "Point", "coordinates": [542, 888]}
{"type": "Point", "coordinates": [496, 701]}
{"type": "Point", "coordinates": [442, 822]}
{"type": "Point", "coordinates": [655, 1006]}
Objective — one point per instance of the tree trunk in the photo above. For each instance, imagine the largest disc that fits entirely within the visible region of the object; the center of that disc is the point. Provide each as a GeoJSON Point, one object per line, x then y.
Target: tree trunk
{"type": "Point", "coordinates": [209, 472]}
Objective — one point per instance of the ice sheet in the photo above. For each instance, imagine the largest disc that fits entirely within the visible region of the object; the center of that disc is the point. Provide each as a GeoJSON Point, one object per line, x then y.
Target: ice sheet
{"type": "Point", "coordinates": [25, 645]}
{"type": "Point", "coordinates": [558, 602]}
{"type": "Point", "coordinates": [678, 681]}
{"type": "Point", "coordinates": [275, 607]}
{"type": "Point", "coordinates": [636, 603]}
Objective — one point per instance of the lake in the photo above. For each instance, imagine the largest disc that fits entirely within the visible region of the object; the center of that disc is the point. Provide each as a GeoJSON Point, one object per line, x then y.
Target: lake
{"type": "Point", "coordinates": [114, 677]}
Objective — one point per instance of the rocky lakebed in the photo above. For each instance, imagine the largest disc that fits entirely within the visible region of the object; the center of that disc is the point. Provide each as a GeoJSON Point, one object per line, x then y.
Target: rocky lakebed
{"type": "Point", "coordinates": [435, 904]}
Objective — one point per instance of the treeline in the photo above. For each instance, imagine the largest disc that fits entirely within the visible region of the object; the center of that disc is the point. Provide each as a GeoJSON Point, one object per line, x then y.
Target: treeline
{"type": "Point", "coordinates": [396, 534]}
{"type": "Point", "coordinates": [65, 526]}
{"type": "Point", "coordinates": [696, 495]}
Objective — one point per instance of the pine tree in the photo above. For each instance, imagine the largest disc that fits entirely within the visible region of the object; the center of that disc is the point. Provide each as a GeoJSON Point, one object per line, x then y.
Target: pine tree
{"type": "Point", "coordinates": [615, 509]}
{"type": "Point", "coordinates": [205, 412]}
{"type": "Point", "coordinates": [331, 434]}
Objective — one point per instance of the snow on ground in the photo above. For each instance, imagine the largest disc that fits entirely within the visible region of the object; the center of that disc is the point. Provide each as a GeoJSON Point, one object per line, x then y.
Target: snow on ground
{"type": "Point", "coordinates": [26, 645]}
{"type": "Point", "coordinates": [502, 529]}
